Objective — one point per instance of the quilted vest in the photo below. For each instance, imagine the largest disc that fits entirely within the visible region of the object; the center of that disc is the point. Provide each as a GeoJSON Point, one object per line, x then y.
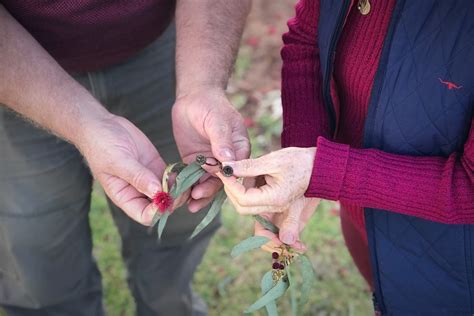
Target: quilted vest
{"type": "Point", "coordinates": [420, 267]}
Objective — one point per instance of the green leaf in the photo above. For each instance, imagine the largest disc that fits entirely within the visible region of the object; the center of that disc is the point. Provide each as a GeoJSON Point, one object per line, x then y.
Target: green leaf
{"type": "Point", "coordinates": [275, 292]}
{"type": "Point", "coordinates": [155, 219]}
{"type": "Point", "coordinates": [211, 214]}
{"type": "Point", "coordinates": [266, 224]}
{"type": "Point", "coordinates": [248, 244]}
{"type": "Point", "coordinates": [266, 285]}
{"type": "Point", "coordinates": [162, 223]}
{"type": "Point", "coordinates": [309, 278]}
{"type": "Point", "coordinates": [186, 179]}
{"type": "Point", "coordinates": [293, 299]}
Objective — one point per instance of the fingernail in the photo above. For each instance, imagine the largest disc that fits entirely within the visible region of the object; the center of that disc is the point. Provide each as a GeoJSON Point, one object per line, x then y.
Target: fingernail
{"type": "Point", "coordinates": [288, 238]}
{"type": "Point", "coordinates": [226, 153]}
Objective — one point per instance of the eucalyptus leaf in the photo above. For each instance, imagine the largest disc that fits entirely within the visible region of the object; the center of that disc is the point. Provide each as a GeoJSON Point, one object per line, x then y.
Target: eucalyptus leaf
{"type": "Point", "coordinates": [275, 292]}
{"type": "Point", "coordinates": [155, 219]}
{"type": "Point", "coordinates": [309, 278]}
{"type": "Point", "coordinates": [266, 285]}
{"type": "Point", "coordinates": [186, 179]}
{"type": "Point", "coordinates": [266, 224]}
{"type": "Point", "coordinates": [248, 244]}
{"type": "Point", "coordinates": [293, 299]}
{"type": "Point", "coordinates": [211, 213]}
{"type": "Point", "coordinates": [162, 223]}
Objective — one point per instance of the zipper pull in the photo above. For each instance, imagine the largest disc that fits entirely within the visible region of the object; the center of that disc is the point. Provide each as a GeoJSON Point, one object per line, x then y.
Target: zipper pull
{"type": "Point", "coordinates": [364, 7]}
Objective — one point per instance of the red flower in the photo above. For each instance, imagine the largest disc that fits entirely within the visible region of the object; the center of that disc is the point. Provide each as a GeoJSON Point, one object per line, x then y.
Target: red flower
{"type": "Point", "coordinates": [271, 29]}
{"type": "Point", "coordinates": [249, 122]}
{"type": "Point", "coordinates": [252, 41]}
{"type": "Point", "coordinates": [163, 201]}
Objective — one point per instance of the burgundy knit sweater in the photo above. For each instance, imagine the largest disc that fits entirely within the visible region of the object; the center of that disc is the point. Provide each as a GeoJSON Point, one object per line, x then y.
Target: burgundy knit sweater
{"type": "Point", "coordinates": [434, 188]}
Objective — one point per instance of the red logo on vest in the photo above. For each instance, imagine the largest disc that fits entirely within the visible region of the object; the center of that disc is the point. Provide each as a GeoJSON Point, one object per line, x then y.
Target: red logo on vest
{"type": "Point", "coordinates": [450, 85]}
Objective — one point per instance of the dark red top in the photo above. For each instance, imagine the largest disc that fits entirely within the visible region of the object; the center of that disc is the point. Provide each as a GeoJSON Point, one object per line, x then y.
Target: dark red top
{"type": "Point", "coordinates": [84, 35]}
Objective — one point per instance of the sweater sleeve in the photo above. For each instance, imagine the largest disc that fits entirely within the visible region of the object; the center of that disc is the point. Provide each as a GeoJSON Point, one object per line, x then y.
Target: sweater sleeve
{"type": "Point", "coordinates": [304, 115]}
{"type": "Point", "coordinates": [434, 188]}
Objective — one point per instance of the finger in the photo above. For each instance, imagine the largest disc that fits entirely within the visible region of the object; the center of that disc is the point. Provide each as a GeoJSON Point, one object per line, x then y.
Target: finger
{"type": "Point", "coordinates": [252, 210]}
{"type": "Point", "coordinates": [139, 176]}
{"type": "Point", "coordinates": [241, 141]}
{"type": "Point", "coordinates": [274, 242]}
{"type": "Point", "coordinates": [157, 166]}
{"type": "Point", "coordinates": [197, 205]}
{"type": "Point", "coordinates": [220, 137]}
{"type": "Point", "coordinates": [290, 228]}
{"type": "Point", "coordinates": [126, 197]}
{"type": "Point", "coordinates": [206, 189]}
{"type": "Point", "coordinates": [251, 197]}
{"type": "Point", "coordinates": [252, 167]}
{"type": "Point", "coordinates": [182, 199]}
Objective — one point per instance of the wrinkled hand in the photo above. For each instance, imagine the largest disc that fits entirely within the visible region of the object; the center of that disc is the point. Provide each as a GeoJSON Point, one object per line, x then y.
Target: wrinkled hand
{"type": "Point", "coordinates": [206, 123]}
{"type": "Point", "coordinates": [126, 164]}
{"type": "Point", "coordinates": [291, 223]}
{"type": "Point", "coordinates": [286, 174]}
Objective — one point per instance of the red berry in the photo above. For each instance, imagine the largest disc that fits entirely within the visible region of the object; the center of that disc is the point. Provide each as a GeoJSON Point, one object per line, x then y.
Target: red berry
{"type": "Point", "coordinates": [281, 266]}
{"type": "Point", "coordinates": [276, 265]}
{"type": "Point", "coordinates": [275, 255]}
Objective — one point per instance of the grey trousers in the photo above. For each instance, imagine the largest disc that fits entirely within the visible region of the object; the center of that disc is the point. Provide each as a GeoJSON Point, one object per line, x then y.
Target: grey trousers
{"type": "Point", "coordinates": [46, 262]}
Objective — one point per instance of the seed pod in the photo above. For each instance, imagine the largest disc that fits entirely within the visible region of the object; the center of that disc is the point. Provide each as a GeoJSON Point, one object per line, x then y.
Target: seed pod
{"type": "Point", "coordinates": [227, 171]}
{"type": "Point", "coordinates": [201, 159]}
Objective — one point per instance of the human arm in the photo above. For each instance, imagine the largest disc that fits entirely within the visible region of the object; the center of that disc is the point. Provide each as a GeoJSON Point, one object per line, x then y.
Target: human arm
{"type": "Point", "coordinates": [204, 121]}
{"type": "Point", "coordinates": [119, 155]}
{"type": "Point", "coordinates": [440, 189]}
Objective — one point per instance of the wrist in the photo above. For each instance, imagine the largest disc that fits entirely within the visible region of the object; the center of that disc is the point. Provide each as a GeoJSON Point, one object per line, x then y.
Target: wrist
{"type": "Point", "coordinates": [202, 88]}
{"type": "Point", "coordinates": [90, 121]}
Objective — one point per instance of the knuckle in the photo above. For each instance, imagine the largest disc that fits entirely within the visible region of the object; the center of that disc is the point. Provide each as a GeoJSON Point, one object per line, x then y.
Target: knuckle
{"type": "Point", "coordinates": [138, 179]}
{"type": "Point", "coordinates": [291, 220]}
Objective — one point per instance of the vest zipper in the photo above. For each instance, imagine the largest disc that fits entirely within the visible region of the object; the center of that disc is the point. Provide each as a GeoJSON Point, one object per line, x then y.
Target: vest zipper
{"type": "Point", "coordinates": [329, 68]}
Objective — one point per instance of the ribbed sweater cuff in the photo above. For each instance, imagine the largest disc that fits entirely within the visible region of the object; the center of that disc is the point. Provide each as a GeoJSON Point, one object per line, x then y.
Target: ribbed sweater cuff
{"type": "Point", "coordinates": [329, 170]}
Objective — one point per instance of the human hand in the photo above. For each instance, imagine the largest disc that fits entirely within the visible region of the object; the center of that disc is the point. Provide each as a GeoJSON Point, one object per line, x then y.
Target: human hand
{"type": "Point", "coordinates": [204, 122]}
{"type": "Point", "coordinates": [291, 223]}
{"type": "Point", "coordinates": [126, 164]}
{"type": "Point", "coordinates": [285, 174]}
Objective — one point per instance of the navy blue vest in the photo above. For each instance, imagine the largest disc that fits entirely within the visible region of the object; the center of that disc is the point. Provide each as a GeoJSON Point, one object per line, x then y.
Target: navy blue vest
{"type": "Point", "coordinates": [420, 267]}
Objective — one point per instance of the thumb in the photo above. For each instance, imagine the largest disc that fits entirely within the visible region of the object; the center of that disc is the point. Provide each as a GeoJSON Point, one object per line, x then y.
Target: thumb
{"type": "Point", "coordinates": [290, 228]}
{"type": "Point", "coordinates": [139, 176]}
{"type": "Point", "coordinates": [220, 137]}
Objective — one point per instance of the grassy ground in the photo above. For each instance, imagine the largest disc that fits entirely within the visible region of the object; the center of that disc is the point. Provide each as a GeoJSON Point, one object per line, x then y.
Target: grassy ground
{"type": "Point", "coordinates": [230, 285]}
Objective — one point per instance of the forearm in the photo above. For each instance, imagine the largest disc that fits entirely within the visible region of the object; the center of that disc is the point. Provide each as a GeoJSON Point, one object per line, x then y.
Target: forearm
{"type": "Point", "coordinates": [434, 188]}
{"type": "Point", "coordinates": [208, 38]}
{"type": "Point", "coordinates": [34, 85]}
